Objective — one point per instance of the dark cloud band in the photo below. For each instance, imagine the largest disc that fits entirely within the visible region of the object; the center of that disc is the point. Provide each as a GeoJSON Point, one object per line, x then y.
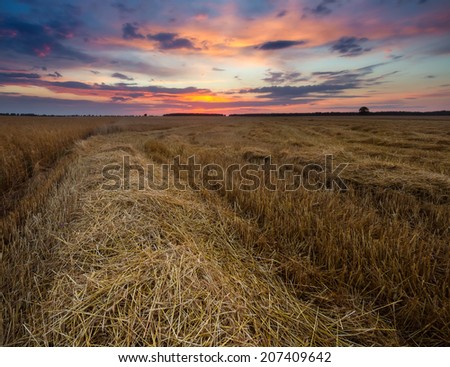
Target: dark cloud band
{"type": "Point", "coordinates": [278, 45]}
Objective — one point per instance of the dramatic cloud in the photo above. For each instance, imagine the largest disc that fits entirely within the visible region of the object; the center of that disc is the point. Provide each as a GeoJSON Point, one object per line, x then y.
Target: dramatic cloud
{"type": "Point", "coordinates": [290, 93]}
{"type": "Point", "coordinates": [330, 85]}
{"type": "Point", "coordinates": [277, 78]}
{"type": "Point", "coordinates": [121, 76]}
{"type": "Point", "coordinates": [127, 97]}
{"type": "Point", "coordinates": [6, 76]}
{"type": "Point", "coordinates": [55, 75]}
{"type": "Point", "coordinates": [278, 45]}
{"type": "Point", "coordinates": [13, 78]}
{"type": "Point", "coordinates": [360, 77]}
{"type": "Point", "coordinates": [323, 8]}
{"type": "Point", "coordinates": [135, 95]}
{"type": "Point", "coordinates": [70, 85]}
{"type": "Point", "coordinates": [350, 46]}
{"type": "Point", "coordinates": [43, 41]}
{"type": "Point", "coordinates": [136, 91]}
{"type": "Point", "coordinates": [169, 41]}
{"type": "Point", "coordinates": [130, 32]}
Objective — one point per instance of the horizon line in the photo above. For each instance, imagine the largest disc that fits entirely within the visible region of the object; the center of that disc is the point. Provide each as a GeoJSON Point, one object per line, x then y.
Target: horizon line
{"type": "Point", "coordinates": [206, 114]}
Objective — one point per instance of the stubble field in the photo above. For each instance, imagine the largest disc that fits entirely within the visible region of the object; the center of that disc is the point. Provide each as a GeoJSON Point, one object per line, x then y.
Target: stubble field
{"type": "Point", "coordinates": [86, 264]}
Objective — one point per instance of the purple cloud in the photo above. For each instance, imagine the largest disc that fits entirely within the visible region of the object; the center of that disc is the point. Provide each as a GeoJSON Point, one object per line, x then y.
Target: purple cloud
{"type": "Point", "coordinates": [278, 45]}
{"type": "Point", "coordinates": [33, 39]}
{"type": "Point", "coordinates": [350, 46]}
{"type": "Point", "coordinates": [55, 75]}
{"type": "Point", "coordinates": [121, 76]}
{"type": "Point", "coordinates": [277, 77]}
{"type": "Point", "coordinates": [323, 8]}
{"type": "Point", "coordinates": [130, 32]}
{"type": "Point", "coordinates": [169, 41]}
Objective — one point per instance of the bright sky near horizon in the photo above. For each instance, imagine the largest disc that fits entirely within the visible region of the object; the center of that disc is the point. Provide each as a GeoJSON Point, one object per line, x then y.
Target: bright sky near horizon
{"type": "Point", "coordinates": [223, 56]}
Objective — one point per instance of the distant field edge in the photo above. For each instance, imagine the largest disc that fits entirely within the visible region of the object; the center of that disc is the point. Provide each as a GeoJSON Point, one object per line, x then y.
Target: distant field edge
{"type": "Point", "coordinates": [256, 114]}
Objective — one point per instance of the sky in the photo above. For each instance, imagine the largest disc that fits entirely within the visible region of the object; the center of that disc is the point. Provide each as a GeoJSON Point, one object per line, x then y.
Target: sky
{"type": "Point", "coordinates": [224, 56]}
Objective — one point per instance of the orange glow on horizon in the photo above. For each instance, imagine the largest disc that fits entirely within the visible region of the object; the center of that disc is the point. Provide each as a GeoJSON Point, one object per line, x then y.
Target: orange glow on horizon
{"type": "Point", "coordinates": [205, 98]}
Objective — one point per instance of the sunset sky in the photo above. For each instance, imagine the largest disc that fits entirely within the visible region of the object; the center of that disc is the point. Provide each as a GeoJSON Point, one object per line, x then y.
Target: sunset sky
{"type": "Point", "coordinates": [161, 56]}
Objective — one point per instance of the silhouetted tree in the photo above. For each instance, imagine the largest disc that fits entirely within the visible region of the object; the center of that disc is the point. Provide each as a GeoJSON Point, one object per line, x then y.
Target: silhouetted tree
{"type": "Point", "coordinates": [363, 110]}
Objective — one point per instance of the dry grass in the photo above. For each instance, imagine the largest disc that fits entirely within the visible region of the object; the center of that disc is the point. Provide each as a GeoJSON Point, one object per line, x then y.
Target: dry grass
{"type": "Point", "coordinates": [370, 266]}
{"type": "Point", "coordinates": [30, 146]}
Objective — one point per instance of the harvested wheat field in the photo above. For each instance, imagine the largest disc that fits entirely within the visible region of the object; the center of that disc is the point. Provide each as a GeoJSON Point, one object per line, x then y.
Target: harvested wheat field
{"type": "Point", "coordinates": [189, 263]}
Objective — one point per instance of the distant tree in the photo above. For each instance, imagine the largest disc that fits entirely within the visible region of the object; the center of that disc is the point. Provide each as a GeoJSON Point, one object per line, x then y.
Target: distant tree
{"type": "Point", "coordinates": [363, 110]}
{"type": "Point", "coordinates": [145, 115]}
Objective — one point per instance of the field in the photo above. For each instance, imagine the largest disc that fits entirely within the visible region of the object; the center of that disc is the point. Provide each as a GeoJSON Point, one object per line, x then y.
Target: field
{"type": "Point", "coordinates": [353, 256]}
